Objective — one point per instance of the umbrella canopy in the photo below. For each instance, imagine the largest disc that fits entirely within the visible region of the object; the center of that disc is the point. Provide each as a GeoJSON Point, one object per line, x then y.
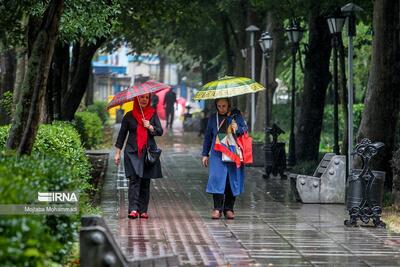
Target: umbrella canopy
{"type": "Point", "coordinates": [228, 86]}
{"type": "Point", "coordinates": [136, 90]}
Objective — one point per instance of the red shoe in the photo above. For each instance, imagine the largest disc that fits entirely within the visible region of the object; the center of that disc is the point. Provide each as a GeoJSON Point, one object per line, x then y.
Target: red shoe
{"type": "Point", "coordinates": [144, 215]}
{"type": "Point", "coordinates": [133, 215]}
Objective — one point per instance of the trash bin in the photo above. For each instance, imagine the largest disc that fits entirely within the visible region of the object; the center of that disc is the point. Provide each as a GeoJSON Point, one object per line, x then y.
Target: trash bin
{"type": "Point", "coordinates": [356, 187]}
{"type": "Point", "coordinates": [120, 115]}
{"type": "Point", "coordinates": [275, 153]}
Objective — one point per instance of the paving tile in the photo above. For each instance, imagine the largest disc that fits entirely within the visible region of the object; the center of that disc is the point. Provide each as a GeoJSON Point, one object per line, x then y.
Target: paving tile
{"type": "Point", "coordinates": [270, 228]}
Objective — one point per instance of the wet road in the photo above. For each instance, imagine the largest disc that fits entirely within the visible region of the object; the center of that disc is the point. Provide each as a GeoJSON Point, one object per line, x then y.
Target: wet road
{"type": "Point", "coordinates": [270, 228]}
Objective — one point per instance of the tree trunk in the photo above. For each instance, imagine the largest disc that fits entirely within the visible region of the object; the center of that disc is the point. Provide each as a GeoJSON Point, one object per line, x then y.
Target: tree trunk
{"type": "Point", "coordinates": [79, 81]}
{"type": "Point", "coordinates": [22, 67]}
{"type": "Point", "coordinates": [89, 100]}
{"type": "Point", "coordinates": [230, 61]}
{"type": "Point", "coordinates": [27, 113]}
{"type": "Point", "coordinates": [208, 73]}
{"type": "Point", "coordinates": [48, 107]}
{"type": "Point", "coordinates": [275, 28]}
{"type": "Point", "coordinates": [380, 115]}
{"type": "Point", "coordinates": [8, 67]}
{"type": "Point", "coordinates": [241, 64]}
{"type": "Point", "coordinates": [316, 80]}
{"type": "Point", "coordinates": [74, 62]}
{"type": "Point", "coordinates": [60, 76]}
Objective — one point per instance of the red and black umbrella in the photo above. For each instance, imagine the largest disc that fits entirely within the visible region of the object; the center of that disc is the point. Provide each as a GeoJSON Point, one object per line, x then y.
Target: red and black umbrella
{"type": "Point", "coordinates": [136, 90]}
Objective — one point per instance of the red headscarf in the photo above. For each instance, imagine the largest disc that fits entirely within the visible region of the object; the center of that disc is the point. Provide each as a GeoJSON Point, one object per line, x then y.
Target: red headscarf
{"type": "Point", "coordinates": [141, 132]}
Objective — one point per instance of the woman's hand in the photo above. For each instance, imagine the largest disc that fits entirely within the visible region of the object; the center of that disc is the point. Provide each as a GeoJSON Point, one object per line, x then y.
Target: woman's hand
{"type": "Point", "coordinates": [146, 124]}
{"type": "Point", "coordinates": [204, 161]}
{"type": "Point", "coordinates": [234, 126]}
{"type": "Point", "coordinates": [117, 156]}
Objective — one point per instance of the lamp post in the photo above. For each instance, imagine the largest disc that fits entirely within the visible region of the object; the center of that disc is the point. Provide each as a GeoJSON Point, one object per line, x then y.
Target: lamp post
{"type": "Point", "coordinates": [253, 29]}
{"type": "Point", "coordinates": [349, 10]}
{"type": "Point", "coordinates": [295, 33]}
{"type": "Point", "coordinates": [266, 46]}
{"type": "Point", "coordinates": [335, 24]}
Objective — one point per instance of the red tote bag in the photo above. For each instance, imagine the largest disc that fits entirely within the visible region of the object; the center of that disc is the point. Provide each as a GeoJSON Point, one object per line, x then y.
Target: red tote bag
{"type": "Point", "coordinates": [245, 142]}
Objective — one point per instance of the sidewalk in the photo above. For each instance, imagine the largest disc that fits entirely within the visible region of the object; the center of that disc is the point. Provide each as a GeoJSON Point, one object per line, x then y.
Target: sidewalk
{"type": "Point", "coordinates": [270, 228]}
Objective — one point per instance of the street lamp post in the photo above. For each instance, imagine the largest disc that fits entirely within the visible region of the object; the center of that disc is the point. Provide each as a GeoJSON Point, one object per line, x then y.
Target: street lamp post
{"type": "Point", "coordinates": [266, 46]}
{"type": "Point", "coordinates": [350, 10]}
{"type": "Point", "coordinates": [335, 27]}
{"type": "Point", "coordinates": [295, 33]}
{"type": "Point", "coordinates": [253, 29]}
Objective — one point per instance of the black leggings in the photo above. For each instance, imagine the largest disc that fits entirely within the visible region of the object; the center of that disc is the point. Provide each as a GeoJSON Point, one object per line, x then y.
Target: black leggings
{"type": "Point", "coordinates": [226, 201]}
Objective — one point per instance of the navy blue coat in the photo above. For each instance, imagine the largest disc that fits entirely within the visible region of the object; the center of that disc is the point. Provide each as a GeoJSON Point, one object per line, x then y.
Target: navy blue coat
{"type": "Point", "coordinates": [219, 170]}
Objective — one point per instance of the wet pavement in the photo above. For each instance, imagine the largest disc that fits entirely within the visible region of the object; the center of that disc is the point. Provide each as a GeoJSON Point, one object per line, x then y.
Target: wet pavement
{"type": "Point", "coordinates": [270, 228]}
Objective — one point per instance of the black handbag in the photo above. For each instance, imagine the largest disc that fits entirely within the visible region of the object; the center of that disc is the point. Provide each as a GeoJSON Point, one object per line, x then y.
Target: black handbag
{"type": "Point", "coordinates": [152, 156]}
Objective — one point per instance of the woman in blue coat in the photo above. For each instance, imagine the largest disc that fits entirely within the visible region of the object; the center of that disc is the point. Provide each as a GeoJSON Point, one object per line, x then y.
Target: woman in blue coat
{"type": "Point", "coordinates": [226, 179]}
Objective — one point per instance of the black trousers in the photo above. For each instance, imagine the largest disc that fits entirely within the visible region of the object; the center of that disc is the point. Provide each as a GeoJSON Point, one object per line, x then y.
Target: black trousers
{"type": "Point", "coordinates": [138, 194]}
{"type": "Point", "coordinates": [170, 113]}
{"type": "Point", "coordinates": [226, 201]}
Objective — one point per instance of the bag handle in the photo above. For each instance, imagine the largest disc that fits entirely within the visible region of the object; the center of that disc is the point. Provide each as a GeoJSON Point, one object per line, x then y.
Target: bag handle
{"type": "Point", "coordinates": [219, 124]}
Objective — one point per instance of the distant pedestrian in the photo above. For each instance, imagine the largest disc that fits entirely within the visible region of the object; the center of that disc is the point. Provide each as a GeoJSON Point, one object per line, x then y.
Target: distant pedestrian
{"type": "Point", "coordinates": [226, 172]}
{"type": "Point", "coordinates": [154, 101]}
{"type": "Point", "coordinates": [169, 105]}
{"type": "Point", "coordinates": [204, 120]}
{"type": "Point", "coordinates": [143, 125]}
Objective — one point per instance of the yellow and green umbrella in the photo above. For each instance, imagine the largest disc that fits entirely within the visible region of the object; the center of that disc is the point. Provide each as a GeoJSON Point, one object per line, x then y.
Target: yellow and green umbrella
{"type": "Point", "coordinates": [228, 86]}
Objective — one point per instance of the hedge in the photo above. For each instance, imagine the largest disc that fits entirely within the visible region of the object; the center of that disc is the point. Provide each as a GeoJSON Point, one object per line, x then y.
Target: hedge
{"type": "Point", "coordinates": [90, 128]}
{"type": "Point", "coordinates": [57, 163]}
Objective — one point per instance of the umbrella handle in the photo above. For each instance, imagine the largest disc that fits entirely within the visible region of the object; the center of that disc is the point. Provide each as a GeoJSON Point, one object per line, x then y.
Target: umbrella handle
{"type": "Point", "coordinates": [141, 110]}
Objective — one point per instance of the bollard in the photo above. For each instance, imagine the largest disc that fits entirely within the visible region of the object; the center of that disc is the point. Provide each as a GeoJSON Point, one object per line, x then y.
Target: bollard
{"type": "Point", "coordinates": [365, 188]}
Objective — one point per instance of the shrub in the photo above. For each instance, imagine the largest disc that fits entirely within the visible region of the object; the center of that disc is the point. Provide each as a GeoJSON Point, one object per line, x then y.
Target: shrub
{"type": "Point", "coordinates": [6, 102]}
{"type": "Point", "coordinates": [100, 108]}
{"type": "Point", "coordinates": [39, 240]}
{"type": "Point", "coordinates": [59, 140]}
{"type": "Point", "coordinates": [89, 128]}
{"type": "Point", "coordinates": [58, 163]}
{"type": "Point", "coordinates": [4, 135]}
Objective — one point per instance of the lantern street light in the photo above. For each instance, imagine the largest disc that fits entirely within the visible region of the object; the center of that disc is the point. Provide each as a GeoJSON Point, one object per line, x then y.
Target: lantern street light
{"type": "Point", "coordinates": [335, 24]}
{"type": "Point", "coordinates": [295, 33]}
{"type": "Point", "coordinates": [266, 47]}
{"type": "Point", "coordinates": [349, 10]}
{"type": "Point", "coordinates": [252, 30]}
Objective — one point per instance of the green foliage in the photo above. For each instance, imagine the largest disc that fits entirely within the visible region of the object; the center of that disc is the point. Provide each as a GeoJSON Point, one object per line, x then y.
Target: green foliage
{"type": "Point", "coordinates": [58, 163]}
{"type": "Point", "coordinates": [362, 59]}
{"type": "Point", "coordinates": [37, 239]}
{"type": "Point", "coordinates": [388, 199]}
{"type": "Point", "coordinates": [6, 102]}
{"type": "Point", "coordinates": [327, 125]}
{"type": "Point", "coordinates": [258, 137]}
{"type": "Point", "coordinates": [4, 135]}
{"type": "Point", "coordinates": [100, 108]}
{"type": "Point", "coordinates": [88, 20]}
{"type": "Point", "coordinates": [281, 114]}
{"type": "Point", "coordinates": [305, 167]}
{"type": "Point", "coordinates": [63, 141]}
{"type": "Point", "coordinates": [89, 127]}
